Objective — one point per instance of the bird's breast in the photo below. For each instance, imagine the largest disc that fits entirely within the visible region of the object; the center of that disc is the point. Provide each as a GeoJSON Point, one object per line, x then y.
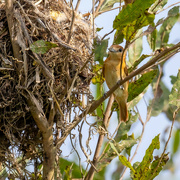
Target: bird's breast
{"type": "Point", "coordinates": [112, 73]}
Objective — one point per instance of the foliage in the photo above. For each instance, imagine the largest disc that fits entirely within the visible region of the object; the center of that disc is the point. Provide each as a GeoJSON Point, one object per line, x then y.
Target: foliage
{"type": "Point", "coordinates": [146, 169]}
{"type": "Point", "coordinates": [174, 97]}
{"type": "Point", "coordinates": [44, 104]}
{"type": "Point", "coordinates": [132, 18]}
{"type": "Point", "coordinates": [137, 87]}
{"type": "Point", "coordinates": [42, 47]}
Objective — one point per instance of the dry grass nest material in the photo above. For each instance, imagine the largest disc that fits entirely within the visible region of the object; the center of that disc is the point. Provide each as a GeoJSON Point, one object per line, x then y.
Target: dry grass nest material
{"type": "Point", "coordinates": [57, 78]}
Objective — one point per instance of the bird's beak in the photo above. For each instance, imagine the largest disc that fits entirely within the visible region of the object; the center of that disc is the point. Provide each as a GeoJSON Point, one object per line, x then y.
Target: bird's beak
{"type": "Point", "coordinates": [111, 49]}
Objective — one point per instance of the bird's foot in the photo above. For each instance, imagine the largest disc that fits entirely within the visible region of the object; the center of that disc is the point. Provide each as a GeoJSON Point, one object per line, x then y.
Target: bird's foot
{"type": "Point", "coordinates": [105, 95]}
{"type": "Point", "coordinates": [122, 87]}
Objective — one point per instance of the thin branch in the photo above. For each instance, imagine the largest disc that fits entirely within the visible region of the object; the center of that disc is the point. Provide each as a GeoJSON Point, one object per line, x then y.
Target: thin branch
{"type": "Point", "coordinates": [144, 123]}
{"type": "Point", "coordinates": [76, 76]}
{"type": "Point", "coordinates": [137, 147]}
{"type": "Point", "coordinates": [107, 34]}
{"type": "Point", "coordinates": [90, 174]}
{"type": "Point", "coordinates": [55, 36]}
{"type": "Point", "coordinates": [77, 5]}
{"type": "Point", "coordinates": [96, 103]}
{"type": "Point", "coordinates": [168, 7]}
{"type": "Point", "coordinates": [98, 7]}
{"type": "Point", "coordinates": [93, 17]}
{"type": "Point", "coordinates": [11, 26]}
{"type": "Point", "coordinates": [170, 133]}
{"type": "Point", "coordinates": [155, 94]}
{"type": "Point", "coordinates": [82, 148]}
{"type": "Point", "coordinates": [72, 24]}
{"type": "Point", "coordinates": [100, 12]}
{"type": "Point", "coordinates": [163, 59]}
{"type": "Point", "coordinates": [80, 166]}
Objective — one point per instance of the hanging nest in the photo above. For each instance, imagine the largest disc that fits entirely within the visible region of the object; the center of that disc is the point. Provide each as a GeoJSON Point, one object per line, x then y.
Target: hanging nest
{"type": "Point", "coordinates": [57, 78]}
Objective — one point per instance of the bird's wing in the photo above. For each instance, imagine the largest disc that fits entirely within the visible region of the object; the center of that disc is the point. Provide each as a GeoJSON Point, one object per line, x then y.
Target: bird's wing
{"type": "Point", "coordinates": [126, 70]}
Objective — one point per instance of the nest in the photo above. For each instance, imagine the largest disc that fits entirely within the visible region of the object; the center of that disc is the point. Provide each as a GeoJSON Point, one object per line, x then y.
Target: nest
{"type": "Point", "coordinates": [61, 75]}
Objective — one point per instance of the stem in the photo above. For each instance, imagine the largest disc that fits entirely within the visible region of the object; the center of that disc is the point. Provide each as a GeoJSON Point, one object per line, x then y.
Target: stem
{"type": "Point", "coordinates": [170, 133]}
{"type": "Point", "coordinates": [90, 174]}
{"type": "Point", "coordinates": [96, 103]}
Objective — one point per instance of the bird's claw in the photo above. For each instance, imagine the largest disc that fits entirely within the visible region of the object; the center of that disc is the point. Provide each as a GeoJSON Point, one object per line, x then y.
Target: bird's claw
{"type": "Point", "coordinates": [105, 95]}
{"type": "Point", "coordinates": [122, 87]}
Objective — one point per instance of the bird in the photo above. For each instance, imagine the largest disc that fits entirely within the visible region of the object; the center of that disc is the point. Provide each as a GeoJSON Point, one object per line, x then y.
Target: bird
{"type": "Point", "coordinates": [115, 69]}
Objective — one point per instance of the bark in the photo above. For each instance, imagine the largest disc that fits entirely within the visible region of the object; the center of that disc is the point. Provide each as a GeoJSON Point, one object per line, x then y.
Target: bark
{"type": "Point", "coordinates": [35, 107]}
{"type": "Point", "coordinates": [46, 129]}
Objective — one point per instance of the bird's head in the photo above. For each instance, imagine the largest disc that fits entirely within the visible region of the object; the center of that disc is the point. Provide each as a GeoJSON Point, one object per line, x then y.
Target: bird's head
{"type": "Point", "coordinates": [116, 51]}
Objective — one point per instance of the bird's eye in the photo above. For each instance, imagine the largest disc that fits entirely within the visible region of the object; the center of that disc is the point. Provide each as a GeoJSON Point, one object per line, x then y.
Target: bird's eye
{"type": "Point", "coordinates": [120, 50]}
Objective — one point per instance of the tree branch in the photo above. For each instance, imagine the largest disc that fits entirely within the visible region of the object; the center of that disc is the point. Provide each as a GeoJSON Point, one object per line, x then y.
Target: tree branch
{"type": "Point", "coordinates": [96, 103]}
{"type": "Point", "coordinates": [90, 174]}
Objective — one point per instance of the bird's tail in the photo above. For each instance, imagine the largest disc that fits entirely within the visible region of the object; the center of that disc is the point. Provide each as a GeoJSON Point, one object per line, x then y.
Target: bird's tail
{"type": "Point", "coordinates": [123, 112]}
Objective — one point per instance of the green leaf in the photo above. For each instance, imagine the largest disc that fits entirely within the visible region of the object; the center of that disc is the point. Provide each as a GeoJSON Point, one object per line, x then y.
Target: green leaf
{"type": "Point", "coordinates": [108, 4]}
{"type": "Point", "coordinates": [176, 142]}
{"type": "Point", "coordinates": [126, 163]}
{"type": "Point", "coordinates": [137, 62]}
{"type": "Point", "coordinates": [118, 37]}
{"type": "Point", "coordinates": [99, 92]}
{"type": "Point", "coordinates": [98, 78]}
{"type": "Point", "coordinates": [98, 29]}
{"type": "Point", "coordinates": [155, 167]}
{"type": "Point", "coordinates": [158, 5]}
{"type": "Point", "coordinates": [137, 87]}
{"type": "Point", "coordinates": [100, 174]}
{"type": "Point", "coordinates": [124, 128]}
{"type": "Point", "coordinates": [165, 29]}
{"type": "Point", "coordinates": [66, 165]}
{"type": "Point", "coordinates": [109, 154]}
{"type": "Point", "coordinates": [131, 30]}
{"type": "Point", "coordinates": [42, 47]}
{"type": "Point", "coordinates": [174, 97]}
{"type": "Point", "coordinates": [131, 13]}
{"type": "Point", "coordinates": [134, 102]}
{"type": "Point", "coordinates": [114, 148]}
{"type": "Point", "coordinates": [144, 166]}
{"type": "Point", "coordinates": [132, 18]}
{"type": "Point", "coordinates": [173, 79]}
{"type": "Point", "coordinates": [152, 39]}
{"type": "Point", "coordinates": [100, 50]}
{"type": "Point", "coordinates": [162, 98]}
{"type": "Point", "coordinates": [135, 49]}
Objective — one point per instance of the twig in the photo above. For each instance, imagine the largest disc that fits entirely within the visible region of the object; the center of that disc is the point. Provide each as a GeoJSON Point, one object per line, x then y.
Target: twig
{"type": "Point", "coordinates": [77, 5]}
{"type": "Point", "coordinates": [93, 17]}
{"type": "Point", "coordinates": [100, 12]}
{"type": "Point", "coordinates": [168, 7]}
{"type": "Point", "coordinates": [82, 148]}
{"type": "Point", "coordinates": [170, 133]}
{"type": "Point", "coordinates": [11, 26]}
{"type": "Point", "coordinates": [107, 34]}
{"type": "Point", "coordinates": [90, 174]}
{"type": "Point", "coordinates": [137, 147]}
{"type": "Point", "coordinates": [55, 36]}
{"type": "Point", "coordinates": [155, 94]}
{"type": "Point", "coordinates": [80, 166]}
{"type": "Point", "coordinates": [144, 123]}
{"type": "Point", "coordinates": [76, 76]}
{"type": "Point", "coordinates": [96, 103]}
{"type": "Point", "coordinates": [39, 60]}
{"type": "Point", "coordinates": [56, 100]}
{"type": "Point", "coordinates": [163, 59]}
{"type": "Point", "coordinates": [98, 7]}
{"type": "Point", "coordinates": [6, 69]}
{"type": "Point", "coordinates": [72, 24]}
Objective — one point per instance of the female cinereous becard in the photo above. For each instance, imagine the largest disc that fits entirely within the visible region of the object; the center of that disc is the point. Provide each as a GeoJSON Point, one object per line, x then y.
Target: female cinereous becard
{"type": "Point", "coordinates": [112, 74]}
